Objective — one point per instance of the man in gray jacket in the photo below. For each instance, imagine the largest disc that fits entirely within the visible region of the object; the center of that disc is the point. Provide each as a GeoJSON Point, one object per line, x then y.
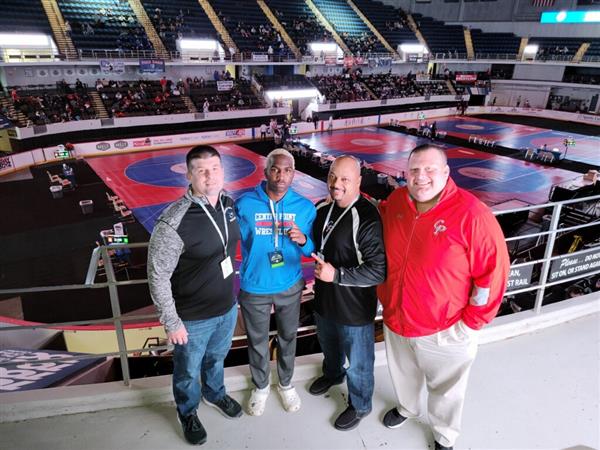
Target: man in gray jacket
{"type": "Point", "coordinates": [190, 273]}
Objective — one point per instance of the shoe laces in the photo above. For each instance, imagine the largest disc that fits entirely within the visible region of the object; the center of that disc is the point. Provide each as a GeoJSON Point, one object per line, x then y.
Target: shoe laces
{"type": "Point", "coordinates": [192, 423]}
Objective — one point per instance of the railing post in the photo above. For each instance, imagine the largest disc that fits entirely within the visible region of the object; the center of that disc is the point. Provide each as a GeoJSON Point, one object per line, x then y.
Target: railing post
{"type": "Point", "coordinates": [547, 254]}
{"type": "Point", "coordinates": [116, 312]}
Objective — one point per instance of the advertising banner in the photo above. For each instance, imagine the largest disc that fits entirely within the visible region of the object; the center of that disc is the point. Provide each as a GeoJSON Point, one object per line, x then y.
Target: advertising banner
{"type": "Point", "coordinates": [152, 65]}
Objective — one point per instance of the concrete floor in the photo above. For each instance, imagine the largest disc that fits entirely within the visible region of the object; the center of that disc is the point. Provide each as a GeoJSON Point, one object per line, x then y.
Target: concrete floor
{"type": "Point", "coordinates": [535, 391]}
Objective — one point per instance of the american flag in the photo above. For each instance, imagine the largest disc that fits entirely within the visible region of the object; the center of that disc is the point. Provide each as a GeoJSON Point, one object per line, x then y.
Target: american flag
{"type": "Point", "coordinates": [542, 3]}
{"type": "Point", "coordinates": [5, 163]}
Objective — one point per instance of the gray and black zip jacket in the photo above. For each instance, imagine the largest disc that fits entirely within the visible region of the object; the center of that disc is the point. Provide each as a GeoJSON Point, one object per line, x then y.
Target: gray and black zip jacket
{"type": "Point", "coordinates": [184, 261]}
{"type": "Point", "coordinates": [355, 248]}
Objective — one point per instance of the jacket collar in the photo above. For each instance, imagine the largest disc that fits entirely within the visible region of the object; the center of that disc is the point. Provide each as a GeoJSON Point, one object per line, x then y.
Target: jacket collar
{"type": "Point", "coordinates": [201, 199]}
{"type": "Point", "coordinates": [261, 191]}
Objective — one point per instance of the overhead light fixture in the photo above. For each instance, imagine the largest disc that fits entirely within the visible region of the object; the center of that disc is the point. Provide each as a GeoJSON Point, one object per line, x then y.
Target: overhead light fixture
{"type": "Point", "coordinates": [292, 94]}
{"type": "Point", "coordinates": [413, 48]}
{"type": "Point", "coordinates": [531, 49]}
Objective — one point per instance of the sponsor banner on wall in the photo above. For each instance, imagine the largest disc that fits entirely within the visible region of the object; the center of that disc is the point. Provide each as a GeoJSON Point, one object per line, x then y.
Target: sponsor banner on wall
{"type": "Point", "coordinates": [466, 77]}
{"type": "Point", "coordinates": [261, 57]}
{"type": "Point", "coordinates": [152, 65]}
{"type": "Point", "coordinates": [225, 85]}
{"type": "Point", "coordinates": [330, 61]}
{"type": "Point", "coordinates": [25, 373]}
{"type": "Point", "coordinates": [107, 66]}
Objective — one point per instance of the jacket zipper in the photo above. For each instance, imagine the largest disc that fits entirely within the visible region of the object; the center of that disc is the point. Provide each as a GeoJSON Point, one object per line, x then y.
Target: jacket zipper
{"type": "Point", "coordinates": [405, 262]}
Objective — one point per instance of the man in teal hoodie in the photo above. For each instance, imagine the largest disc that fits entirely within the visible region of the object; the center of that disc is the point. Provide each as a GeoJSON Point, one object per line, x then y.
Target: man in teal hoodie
{"type": "Point", "coordinates": [275, 224]}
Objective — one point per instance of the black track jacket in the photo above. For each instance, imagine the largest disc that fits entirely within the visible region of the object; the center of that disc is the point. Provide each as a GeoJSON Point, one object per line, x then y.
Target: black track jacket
{"type": "Point", "coordinates": [355, 248]}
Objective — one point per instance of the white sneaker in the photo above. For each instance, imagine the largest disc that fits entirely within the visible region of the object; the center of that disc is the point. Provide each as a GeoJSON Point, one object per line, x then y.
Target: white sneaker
{"type": "Point", "coordinates": [258, 401]}
{"type": "Point", "coordinates": [290, 398]}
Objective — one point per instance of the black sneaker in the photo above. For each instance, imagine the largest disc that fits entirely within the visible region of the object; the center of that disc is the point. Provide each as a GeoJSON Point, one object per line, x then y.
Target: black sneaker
{"type": "Point", "coordinates": [322, 385]}
{"type": "Point", "coordinates": [439, 446]}
{"type": "Point", "coordinates": [193, 431]}
{"type": "Point", "coordinates": [349, 419]}
{"type": "Point", "coordinates": [393, 419]}
{"type": "Point", "coordinates": [227, 406]}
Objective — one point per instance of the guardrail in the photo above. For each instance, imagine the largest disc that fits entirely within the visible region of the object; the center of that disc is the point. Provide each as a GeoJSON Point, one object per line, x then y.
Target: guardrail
{"type": "Point", "coordinates": [117, 319]}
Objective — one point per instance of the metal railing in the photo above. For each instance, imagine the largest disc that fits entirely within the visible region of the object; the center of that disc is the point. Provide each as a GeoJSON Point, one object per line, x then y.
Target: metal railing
{"type": "Point", "coordinates": [118, 319]}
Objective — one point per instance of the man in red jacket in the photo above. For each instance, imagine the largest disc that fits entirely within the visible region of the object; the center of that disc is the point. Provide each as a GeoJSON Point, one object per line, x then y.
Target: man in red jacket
{"type": "Point", "coordinates": [447, 269]}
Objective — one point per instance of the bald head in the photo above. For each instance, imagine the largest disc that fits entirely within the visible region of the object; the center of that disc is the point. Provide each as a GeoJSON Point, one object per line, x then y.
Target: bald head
{"type": "Point", "coordinates": [344, 180]}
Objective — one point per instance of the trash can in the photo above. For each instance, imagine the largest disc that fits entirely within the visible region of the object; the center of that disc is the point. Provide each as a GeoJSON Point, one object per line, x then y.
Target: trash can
{"type": "Point", "coordinates": [87, 206]}
{"type": "Point", "coordinates": [56, 191]}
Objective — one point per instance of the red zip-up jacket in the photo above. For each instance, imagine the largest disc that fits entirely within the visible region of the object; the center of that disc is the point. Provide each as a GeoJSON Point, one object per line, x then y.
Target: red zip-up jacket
{"type": "Point", "coordinates": [444, 265]}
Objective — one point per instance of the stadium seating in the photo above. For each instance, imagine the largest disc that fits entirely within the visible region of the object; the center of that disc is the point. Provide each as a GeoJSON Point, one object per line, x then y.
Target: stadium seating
{"type": "Point", "coordinates": [54, 105]}
{"type": "Point", "coordinates": [202, 92]}
{"type": "Point", "coordinates": [24, 17]}
{"type": "Point", "coordinates": [300, 23]}
{"type": "Point", "coordinates": [104, 25]}
{"type": "Point", "coordinates": [552, 48]}
{"type": "Point", "coordinates": [342, 88]}
{"type": "Point", "coordinates": [386, 86]}
{"type": "Point", "coordinates": [389, 21]}
{"type": "Point", "coordinates": [244, 22]}
{"type": "Point", "coordinates": [141, 98]}
{"type": "Point", "coordinates": [179, 18]}
{"type": "Point", "coordinates": [353, 31]}
{"type": "Point", "coordinates": [441, 38]}
{"type": "Point", "coordinates": [487, 44]}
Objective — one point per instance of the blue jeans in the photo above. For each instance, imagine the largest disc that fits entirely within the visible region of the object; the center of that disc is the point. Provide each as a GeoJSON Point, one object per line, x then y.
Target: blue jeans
{"type": "Point", "coordinates": [357, 343]}
{"type": "Point", "coordinates": [208, 343]}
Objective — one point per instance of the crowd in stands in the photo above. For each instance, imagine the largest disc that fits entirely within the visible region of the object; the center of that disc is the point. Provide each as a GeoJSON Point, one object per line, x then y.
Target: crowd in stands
{"type": "Point", "coordinates": [172, 25]}
{"type": "Point", "coordinates": [61, 105]}
{"type": "Point", "coordinates": [304, 30]}
{"type": "Point", "coordinates": [354, 87]}
{"type": "Point", "coordinates": [552, 52]}
{"type": "Point", "coordinates": [140, 98]}
{"type": "Point", "coordinates": [360, 44]}
{"type": "Point", "coordinates": [131, 37]}
{"type": "Point", "coordinates": [386, 86]}
{"type": "Point", "coordinates": [207, 96]}
{"type": "Point", "coordinates": [342, 88]}
{"type": "Point", "coordinates": [267, 39]}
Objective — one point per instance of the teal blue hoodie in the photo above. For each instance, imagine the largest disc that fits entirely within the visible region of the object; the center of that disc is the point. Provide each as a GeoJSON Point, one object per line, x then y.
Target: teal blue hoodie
{"type": "Point", "coordinates": [256, 226]}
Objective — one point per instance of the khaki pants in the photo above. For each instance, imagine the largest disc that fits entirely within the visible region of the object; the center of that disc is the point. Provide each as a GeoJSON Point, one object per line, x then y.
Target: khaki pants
{"type": "Point", "coordinates": [440, 362]}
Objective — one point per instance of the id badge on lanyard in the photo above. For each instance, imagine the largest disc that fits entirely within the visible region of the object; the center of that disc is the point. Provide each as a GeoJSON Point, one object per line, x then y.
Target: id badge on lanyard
{"type": "Point", "coordinates": [226, 264]}
{"type": "Point", "coordinates": [276, 256]}
{"type": "Point", "coordinates": [329, 226]}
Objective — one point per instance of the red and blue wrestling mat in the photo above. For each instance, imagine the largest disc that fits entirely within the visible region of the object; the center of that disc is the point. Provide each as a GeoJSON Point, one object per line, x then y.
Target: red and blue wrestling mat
{"type": "Point", "coordinates": [149, 181]}
{"type": "Point", "coordinates": [586, 148]}
{"type": "Point", "coordinates": [494, 179]}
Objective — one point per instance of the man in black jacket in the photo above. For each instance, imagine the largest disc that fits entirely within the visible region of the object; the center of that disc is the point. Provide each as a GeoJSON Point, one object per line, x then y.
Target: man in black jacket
{"type": "Point", "coordinates": [190, 275]}
{"type": "Point", "coordinates": [350, 264]}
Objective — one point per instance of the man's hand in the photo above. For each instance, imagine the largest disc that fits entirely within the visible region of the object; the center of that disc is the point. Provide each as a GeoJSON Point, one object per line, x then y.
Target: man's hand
{"type": "Point", "coordinates": [296, 235]}
{"type": "Point", "coordinates": [178, 337]}
{"type": "Point", "coordinates": [323, 271]}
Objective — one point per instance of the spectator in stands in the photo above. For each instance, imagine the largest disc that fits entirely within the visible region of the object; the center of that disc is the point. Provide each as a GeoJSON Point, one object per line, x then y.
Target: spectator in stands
{"type": "Point", "coordinates": [205, 106]}
{"type": "Point", "coordinates": [271, 275]}
{"type": "Point", "coordinates": [447, 293]}
{"type": "Point", "coordinates": [350, 264]}
{"type": "Point", "coordinates": [199, 310]}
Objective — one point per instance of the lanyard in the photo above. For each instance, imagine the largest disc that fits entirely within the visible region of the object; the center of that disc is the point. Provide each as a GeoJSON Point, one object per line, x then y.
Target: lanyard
{"type": "Point", "coordinates": [225, 240]}
{"type": "Point", "coordinates": [275, 224]}
{"type": "Point", "coordinates": [325, 236]}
